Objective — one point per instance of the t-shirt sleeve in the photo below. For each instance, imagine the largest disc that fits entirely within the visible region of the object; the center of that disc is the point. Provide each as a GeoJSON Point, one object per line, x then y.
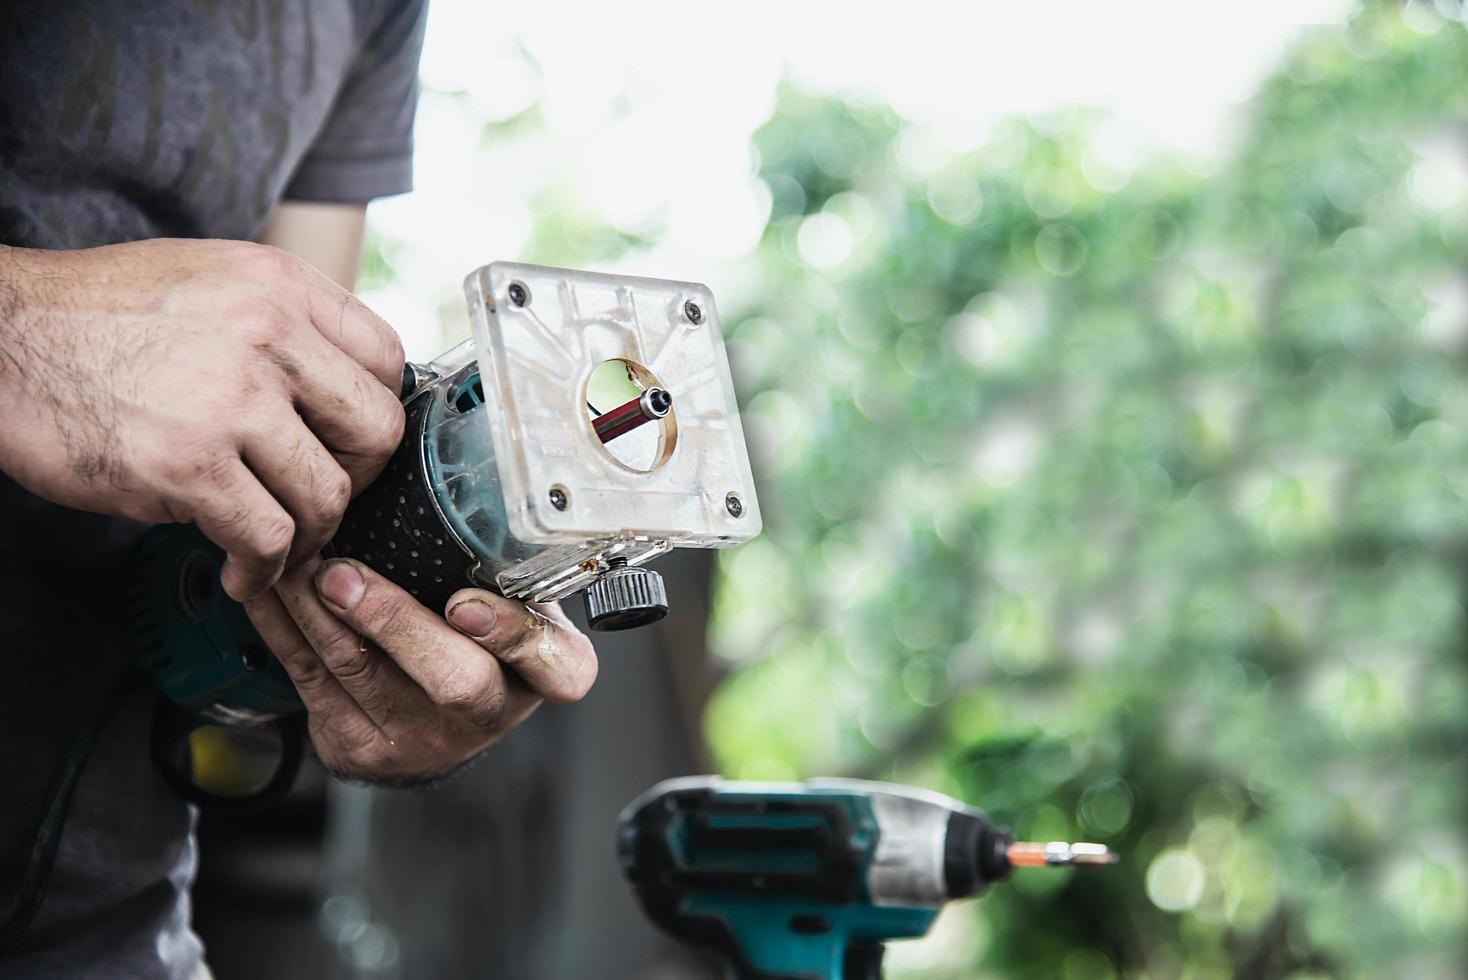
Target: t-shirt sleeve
{"type": "Point", "coordinates": [365, 148]}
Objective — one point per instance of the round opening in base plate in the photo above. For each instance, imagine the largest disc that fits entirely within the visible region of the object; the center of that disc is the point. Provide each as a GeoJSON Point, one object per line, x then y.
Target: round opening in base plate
{"type": "Point", "coordinates": [615, 384]}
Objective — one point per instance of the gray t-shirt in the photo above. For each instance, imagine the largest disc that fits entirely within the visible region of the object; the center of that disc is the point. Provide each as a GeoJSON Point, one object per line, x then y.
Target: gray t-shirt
{"type": "Point", "coordinates": [124, 121]}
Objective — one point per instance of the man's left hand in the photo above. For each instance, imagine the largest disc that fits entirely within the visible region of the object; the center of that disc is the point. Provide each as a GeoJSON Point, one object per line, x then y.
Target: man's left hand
{"type": "Point", "coordinates": [396, 693]}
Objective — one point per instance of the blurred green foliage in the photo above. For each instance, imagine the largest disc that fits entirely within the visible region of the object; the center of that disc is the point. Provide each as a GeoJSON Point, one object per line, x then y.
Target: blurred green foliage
{"type": "Point", "coordinates": [1131, 505]}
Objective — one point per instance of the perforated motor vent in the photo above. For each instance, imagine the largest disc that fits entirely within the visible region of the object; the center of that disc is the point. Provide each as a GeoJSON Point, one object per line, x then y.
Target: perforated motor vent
{"type": "Point", "coordinates": [393, 526]}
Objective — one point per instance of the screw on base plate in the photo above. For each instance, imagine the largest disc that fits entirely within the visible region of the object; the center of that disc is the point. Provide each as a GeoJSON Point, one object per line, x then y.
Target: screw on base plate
{"type": "Point", "coordinates": [519, 295]}
{"type": "Point", "coordinates": [734, 505]}
{"type": "Point", "coordinates": [693, 311]}
{"type": "Point", "coordinates": [558, 498]}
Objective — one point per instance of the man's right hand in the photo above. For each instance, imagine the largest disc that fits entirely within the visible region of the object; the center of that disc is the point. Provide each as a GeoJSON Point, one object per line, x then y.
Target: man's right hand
{"type": "Point", "coordinates": [221, 383]}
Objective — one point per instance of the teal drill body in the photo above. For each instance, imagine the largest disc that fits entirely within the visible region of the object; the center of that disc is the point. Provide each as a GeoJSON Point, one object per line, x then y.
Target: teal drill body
{"type": "Point", "coordinates": [773, 949]}
{"type": "Point", "coordinates": [825, 926]}
{"type": "Point", "coordinates": [195, 641]}
{"type": "Point", "coordinates": [803, 881]}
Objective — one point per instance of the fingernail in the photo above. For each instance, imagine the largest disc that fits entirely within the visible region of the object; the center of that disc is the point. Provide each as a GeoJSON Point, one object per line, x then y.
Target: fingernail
{"type": "Point", "coordinates": [473, 617]}
{"type": "Point", "coordinates": [340, 584]}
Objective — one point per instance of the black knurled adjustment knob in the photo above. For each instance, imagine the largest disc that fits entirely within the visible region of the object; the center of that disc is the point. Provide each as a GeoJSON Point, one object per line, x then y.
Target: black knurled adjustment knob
{"type": "Point", "coordinates": [625, 598]}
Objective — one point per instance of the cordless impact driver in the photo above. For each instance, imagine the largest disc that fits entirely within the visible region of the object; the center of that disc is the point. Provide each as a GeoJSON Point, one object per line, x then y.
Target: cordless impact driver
{"type": "Point", "coordinates": [807, 881]}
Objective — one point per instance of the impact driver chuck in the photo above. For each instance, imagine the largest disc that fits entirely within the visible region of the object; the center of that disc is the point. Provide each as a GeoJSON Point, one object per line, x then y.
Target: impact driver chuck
{"type": "Point", "coordinates": [806, 881]}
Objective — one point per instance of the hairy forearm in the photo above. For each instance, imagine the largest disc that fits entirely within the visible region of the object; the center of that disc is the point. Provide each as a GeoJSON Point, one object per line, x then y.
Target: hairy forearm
{"type": "Point", "coordinates": [34, 285]}
{"type": "Point", "coordinates": [9, 308]}
{"type": "Point", "coordinates": [12, 334]}
{"type": "Point", "coordinates": [41, 371]}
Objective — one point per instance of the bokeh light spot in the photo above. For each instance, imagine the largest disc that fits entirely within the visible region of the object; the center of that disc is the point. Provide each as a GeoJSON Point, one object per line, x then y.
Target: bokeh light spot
{"type": "Point", "coordinates": [955, 197]}
{"type": "Point", "coordinates": [1106, 807]}
{"type": "Point", "coordinates": [1060, 249]}
{"type": "Point", "coordinates": [824, 240]}
{"type": "Point", "coordinates": [1175, 880]}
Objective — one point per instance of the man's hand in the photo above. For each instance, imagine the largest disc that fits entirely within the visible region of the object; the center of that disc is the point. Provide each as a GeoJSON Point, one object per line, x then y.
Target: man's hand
{"type": "Point", "coordinates": [397, 694]}
{"type": "Point", "coordinates": [221, 383]}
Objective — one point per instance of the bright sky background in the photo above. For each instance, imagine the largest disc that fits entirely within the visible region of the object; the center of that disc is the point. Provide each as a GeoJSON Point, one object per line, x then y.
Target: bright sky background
{"type": "Point", "coordinates": [649, 107]}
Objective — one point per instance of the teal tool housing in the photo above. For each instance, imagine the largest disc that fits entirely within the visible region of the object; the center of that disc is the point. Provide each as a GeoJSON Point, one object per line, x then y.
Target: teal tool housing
{"type": "Point", "coordinates": [802, 881]}
{"type": "Point", "coordinates": [195, 641]}
{"type": "Point", "coordinates": [816, 848]}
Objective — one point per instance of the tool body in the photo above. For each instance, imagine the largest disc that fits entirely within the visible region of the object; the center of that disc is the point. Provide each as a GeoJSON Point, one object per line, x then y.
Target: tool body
{"type": "Point", "coordinates": [508, 478]}
{"type": "Point", "coordinates": [807, 881]}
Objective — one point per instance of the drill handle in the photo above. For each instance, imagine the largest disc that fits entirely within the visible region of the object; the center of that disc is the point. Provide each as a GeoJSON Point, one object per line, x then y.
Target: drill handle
{"type": "Point", "coordinates": [863, 961]}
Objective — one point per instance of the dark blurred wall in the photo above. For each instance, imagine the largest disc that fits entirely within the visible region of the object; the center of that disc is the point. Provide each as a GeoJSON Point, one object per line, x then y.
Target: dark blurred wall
{"type": "Point", "coordinates": [507, 871]}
